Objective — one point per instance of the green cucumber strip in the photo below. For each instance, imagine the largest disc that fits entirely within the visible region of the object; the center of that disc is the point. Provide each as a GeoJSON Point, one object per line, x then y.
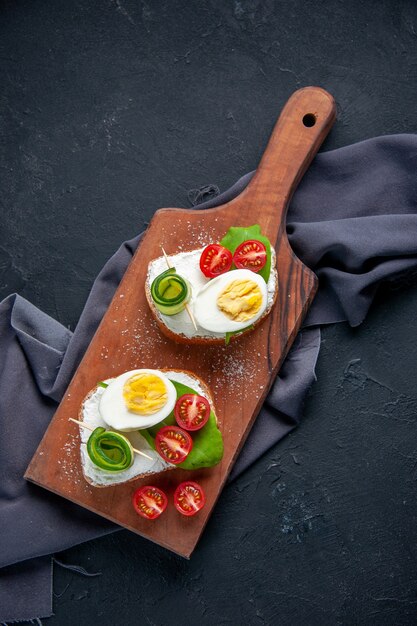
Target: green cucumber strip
{"type": "Point", "coordinates": [170, 284]}
{"type": "Point", "coordinates": [171, 310]}
{"type": "Point", "coordinates": [171, 289]}
{"type": "Point", "coordinates": [109, 450]}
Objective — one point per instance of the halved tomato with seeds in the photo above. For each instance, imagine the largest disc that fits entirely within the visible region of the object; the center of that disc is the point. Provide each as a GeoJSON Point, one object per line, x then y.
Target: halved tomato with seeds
{"type": "Point", "coordinates": [250, 255]}
{"type": "Point", "coordinates": [149, 502]}
{"type": "Point", "coordinates": [215, 260]}
{"type": "Point", "coordinates": [192, 411]}
{"type": "Point", "coordinates": [189, 498]}
{"type": "Point", "coordinates": [173, 444]}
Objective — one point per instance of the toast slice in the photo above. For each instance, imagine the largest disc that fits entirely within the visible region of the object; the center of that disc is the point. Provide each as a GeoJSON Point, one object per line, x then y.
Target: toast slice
{"type": "Point", "coordinates": [142, 467]}
{"type": "Point", "coordinates": [179, 327]}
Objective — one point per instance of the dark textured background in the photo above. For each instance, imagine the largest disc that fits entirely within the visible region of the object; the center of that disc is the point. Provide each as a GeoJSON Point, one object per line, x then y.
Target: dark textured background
{"type": "Point", "coordinates": [113, 108]}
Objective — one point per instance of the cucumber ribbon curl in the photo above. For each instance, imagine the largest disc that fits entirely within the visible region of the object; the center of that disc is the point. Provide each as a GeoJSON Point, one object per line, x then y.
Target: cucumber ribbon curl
{"type": "Point", "coordinates": [109, 450]}
{"type": "Point", "coordinates": [170, 292]}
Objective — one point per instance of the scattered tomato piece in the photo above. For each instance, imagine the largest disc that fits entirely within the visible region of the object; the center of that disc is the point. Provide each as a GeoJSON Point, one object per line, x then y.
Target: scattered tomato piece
{"type": "Point", "coordinates": [215, 260]}
{"type": "Point", "coordinates": [149, 502]}
{"type": "Point", "coordinates": [250, 255]}
{"type": "Point", "coordinates": [189, 498]}
{"type": "Point", "coordinates": [192, 411]}
{"type": "Point", "coordinates": [173, 444]}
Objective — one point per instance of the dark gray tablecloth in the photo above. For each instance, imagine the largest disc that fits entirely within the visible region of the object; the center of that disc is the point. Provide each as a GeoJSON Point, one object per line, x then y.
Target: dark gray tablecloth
{"type": "Point", "coordinates": [353, 220]}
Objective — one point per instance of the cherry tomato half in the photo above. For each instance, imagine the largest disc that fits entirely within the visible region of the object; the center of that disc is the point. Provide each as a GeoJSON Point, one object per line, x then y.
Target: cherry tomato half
{"type": "Point", "coordinates": [149, 502]}
{"type": "Point", "coordinates": [192, 411]}
{"type": "Point", "coordinates": [250, 255]}
{"type": "Point", "coordinates": [215, 260]}
{"type": "Point", "coordinates": [189, 498]}
{"type": "Point", "coordinates": [173, 444]}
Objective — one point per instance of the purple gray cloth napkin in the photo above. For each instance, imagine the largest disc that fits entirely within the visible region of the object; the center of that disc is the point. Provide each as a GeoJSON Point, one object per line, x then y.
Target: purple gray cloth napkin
{"type": "Point", "coordinates": [353, 220]}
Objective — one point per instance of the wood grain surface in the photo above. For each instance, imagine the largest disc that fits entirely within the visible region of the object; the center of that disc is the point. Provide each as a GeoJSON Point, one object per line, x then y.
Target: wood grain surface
{"type": "Point", "coordinates": [239, 375]}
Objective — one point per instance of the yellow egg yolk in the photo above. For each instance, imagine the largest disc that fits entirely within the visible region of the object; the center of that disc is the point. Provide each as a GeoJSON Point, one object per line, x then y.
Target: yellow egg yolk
{"type": "Point", "coordinates": [241, 300]}
{"type": "Point", "coordinates": [145, 393]}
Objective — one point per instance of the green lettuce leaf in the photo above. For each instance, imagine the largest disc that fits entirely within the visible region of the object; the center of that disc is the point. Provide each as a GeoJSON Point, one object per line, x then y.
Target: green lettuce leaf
{"type": "Point", "coordinates": [236, 332]}
{"type": "Point", "coordinates": [238, 234]}
{"type": "Point", "coordinates": [207, 442]}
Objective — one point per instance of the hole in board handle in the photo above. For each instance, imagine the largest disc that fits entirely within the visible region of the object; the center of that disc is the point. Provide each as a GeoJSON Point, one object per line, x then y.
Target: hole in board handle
{"type": "Point", "coordinates": [309, 120]}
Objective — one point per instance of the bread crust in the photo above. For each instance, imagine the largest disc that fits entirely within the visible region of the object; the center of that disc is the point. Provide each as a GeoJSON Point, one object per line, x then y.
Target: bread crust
{"type": "Point", "coordinates": [196, 378]}
{"type": "Point", "coordinates": [181, 338]}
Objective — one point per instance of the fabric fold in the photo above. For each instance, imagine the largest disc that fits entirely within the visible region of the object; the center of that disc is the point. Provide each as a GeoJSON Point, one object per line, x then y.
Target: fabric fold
{"type": "Point", "coordinates": [43, 340]}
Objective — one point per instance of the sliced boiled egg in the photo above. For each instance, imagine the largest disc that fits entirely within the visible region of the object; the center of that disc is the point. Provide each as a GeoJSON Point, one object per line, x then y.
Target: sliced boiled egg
{"type": "Point", "coordinates": [137, 399]}
{"type": "Point", "coordinates": [231, 301]}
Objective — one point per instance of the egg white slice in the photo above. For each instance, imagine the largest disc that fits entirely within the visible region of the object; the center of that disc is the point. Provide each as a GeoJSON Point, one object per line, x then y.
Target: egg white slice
{"type": "Point", "coordinates": [115, 413]}
{"type": "Point", "coordinates": [208, 314]}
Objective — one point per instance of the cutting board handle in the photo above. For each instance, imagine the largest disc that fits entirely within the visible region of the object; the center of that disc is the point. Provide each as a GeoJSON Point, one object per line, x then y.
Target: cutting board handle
{"type": "Point", "coordinates": [300, 130]}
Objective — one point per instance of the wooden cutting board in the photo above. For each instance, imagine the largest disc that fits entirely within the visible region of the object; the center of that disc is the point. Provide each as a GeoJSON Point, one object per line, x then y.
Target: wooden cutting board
{"type": "Point", "coordinates": [239, 375]}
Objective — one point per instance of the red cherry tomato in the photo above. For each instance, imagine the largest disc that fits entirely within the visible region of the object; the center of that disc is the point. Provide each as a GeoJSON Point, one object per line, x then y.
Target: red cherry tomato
{"type": "Point", "coordinates": [149, 502]}
{"type": "Point", "coordinates": [189, 498]}
{"type": "Point", "coordinates": [215, 260]}
{"type": "Point", "coordinates": [192, 411]}
{"type": "Point", "coordinates": [250, 255]}
{"type": "Point", "coordinates": [173, 444]}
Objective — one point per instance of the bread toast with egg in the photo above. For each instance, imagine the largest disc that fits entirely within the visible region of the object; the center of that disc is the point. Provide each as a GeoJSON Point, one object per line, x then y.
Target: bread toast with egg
{"type": "Point", "coordinates": [179, 327]}
{"type": "Point", "coordinates": [89, 414]}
